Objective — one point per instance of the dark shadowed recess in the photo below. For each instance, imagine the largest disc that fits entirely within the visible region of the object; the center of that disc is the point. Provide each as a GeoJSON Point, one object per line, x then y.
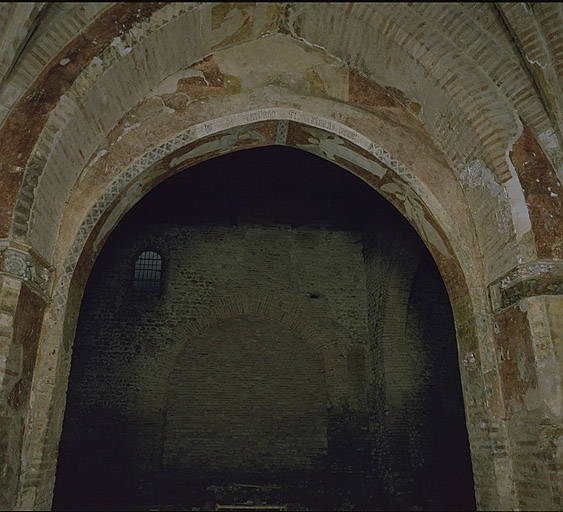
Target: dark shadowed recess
{"type": "Point", "coordinates": [98, 465]}
{"type": "Point", "coordinates": [272, 184]}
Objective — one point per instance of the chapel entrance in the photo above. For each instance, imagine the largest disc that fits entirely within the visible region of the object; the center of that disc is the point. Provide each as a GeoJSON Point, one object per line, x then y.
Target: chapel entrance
{"type": "Point", "coordinates": [291, 344]}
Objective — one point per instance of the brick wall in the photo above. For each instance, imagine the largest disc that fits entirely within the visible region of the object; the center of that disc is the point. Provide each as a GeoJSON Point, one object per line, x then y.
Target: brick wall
{"type": "Point", "coordinates": [274, 352]}
{"type": "Point", "coordinates": [246, 398]}
{"type": "Point", "coordinates": [416, 408]}
{"type": "Point", "coordinates": [242, 395]}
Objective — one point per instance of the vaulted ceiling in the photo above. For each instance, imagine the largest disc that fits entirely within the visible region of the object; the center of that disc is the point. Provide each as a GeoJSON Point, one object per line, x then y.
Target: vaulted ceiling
{"type": "Point", "coordinates": [512, 49]}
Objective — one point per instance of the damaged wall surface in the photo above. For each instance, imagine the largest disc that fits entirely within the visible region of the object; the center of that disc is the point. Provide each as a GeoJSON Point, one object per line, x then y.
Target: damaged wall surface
{"type": "Point", "coordinates": [452, 112]}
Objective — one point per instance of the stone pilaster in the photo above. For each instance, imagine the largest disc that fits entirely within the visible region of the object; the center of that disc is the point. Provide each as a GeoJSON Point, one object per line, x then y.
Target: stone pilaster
{"type": "Point", "coordinates": [24, 283]}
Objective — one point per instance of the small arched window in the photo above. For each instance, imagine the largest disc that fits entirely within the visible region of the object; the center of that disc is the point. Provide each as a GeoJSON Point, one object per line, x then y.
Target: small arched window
{"type": "Point", "coordinates": [148, 272]}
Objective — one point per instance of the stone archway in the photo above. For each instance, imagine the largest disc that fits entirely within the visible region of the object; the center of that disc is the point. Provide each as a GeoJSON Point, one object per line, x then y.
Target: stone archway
{"type": "Point", "coordinates": [228, 253]}
{"type": "Point", "coordinates": [484, 151]}
{"type": "Point", "coordinates": [332, 141]}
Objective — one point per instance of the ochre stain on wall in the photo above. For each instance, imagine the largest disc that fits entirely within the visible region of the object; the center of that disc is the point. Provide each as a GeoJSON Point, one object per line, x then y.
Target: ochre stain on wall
{"type": "Point", "coordinates": [27, 330]}
{"type": "Point", "coordinates": [543, 193]}
{"type": "Point", "coordinates": [17, 135]}
{"type": "Point", "coordinates": [515, 356]}
{"type": "Point", "coordinates": [227, 12]}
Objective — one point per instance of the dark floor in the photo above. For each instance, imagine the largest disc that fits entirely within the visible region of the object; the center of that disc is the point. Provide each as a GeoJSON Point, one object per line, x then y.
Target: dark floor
{"type": "Point", "coordinates": [321, 493]}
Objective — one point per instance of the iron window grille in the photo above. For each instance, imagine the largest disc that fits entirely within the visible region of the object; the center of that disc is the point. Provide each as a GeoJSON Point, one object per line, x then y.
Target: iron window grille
{"type": "Point", "coordinates": [148, 272]}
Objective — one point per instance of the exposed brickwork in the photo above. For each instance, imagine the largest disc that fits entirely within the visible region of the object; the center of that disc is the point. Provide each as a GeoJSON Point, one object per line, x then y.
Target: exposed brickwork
{"type": "Point", "coordinates": [158, 348]}
{"type": "Point", "coordinates": [255, 254]}
{"type": "Point", "coordinates": [452, 111]}
{"type": "Point", "coordinates": [417, 382]}
{"type": "Point", "coordinates": [246, 397]}
{"type": "Point", "coordinates": [18, 365]}
{"type": "Point", "coordinates": [180, 367]}
{"type": "Point", "coordinates": [536, 460]}
{"type": "Point", "coordinates": [47, 29]}
{"type": "Point", "coordinates": [53, 82]}
{"type": "Point", "coordinates": [539, 60]}
{"type": "Point", "coordinates": [432, 58]}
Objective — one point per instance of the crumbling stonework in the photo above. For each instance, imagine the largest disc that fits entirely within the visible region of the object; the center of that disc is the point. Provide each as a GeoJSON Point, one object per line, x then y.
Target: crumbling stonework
{"type": "Point", "coordinates": [453, 112]}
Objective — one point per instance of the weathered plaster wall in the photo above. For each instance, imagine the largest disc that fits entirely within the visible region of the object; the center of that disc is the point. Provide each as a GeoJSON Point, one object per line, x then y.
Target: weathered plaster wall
{"type": "Point", "coordinates": [466, 97]}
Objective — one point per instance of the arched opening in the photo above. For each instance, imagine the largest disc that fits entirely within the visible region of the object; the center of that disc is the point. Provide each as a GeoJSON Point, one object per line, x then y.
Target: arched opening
{"type": "Point", "coordinates": [382, 386]}
{"type": "Point", "coordinates": [462, 140]}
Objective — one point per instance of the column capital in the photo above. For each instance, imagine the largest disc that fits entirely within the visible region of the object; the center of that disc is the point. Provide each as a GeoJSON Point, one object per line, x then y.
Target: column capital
{"type": "Point", "coordinates": [19, 261]}
{"type": "Point", "coordinates": [527, 280]}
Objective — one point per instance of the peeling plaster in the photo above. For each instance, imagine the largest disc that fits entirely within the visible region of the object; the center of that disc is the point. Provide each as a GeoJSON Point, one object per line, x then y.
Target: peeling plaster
{"type": "Point", "coordinates": [538, 63]}
{"type": "Point", "coordinates": [170, 85]}
{"type": "Point", "coordinates": [290, 26]}
{"type": "Point", "coordinates": [127, 129]}
{"type": "Point", "coordinates": [479, 175]}
{"type": "Point", "coordinates": [121, 46]}
{"type": "Point", "coordinates": [469, 359]}
{"type": "Point", "coordinates": [520, 214]}
{"type": "Point", "coordinates": [265, 61]}
{"type": "Point", "coordinates": [548, 139]}
{"type": "Point", "coordinates": [97, 157]}
{"type": "Point", "coordinates": [230, 24]}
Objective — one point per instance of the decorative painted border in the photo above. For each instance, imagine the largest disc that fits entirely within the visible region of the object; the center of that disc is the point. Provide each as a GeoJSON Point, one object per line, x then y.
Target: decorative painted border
{"type": "Point", "coordinates": [527, 280]}
{"type": "Point", "coordinates": [281, 135]}
{"type": "Point", "coordinates": [135, 169]}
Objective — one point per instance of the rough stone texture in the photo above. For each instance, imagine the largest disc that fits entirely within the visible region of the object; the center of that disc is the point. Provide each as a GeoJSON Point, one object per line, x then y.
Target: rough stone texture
{"type": "Point", "coordinates": [18, 364]}
{"type": "Point", "coordinates": [459, 104]}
